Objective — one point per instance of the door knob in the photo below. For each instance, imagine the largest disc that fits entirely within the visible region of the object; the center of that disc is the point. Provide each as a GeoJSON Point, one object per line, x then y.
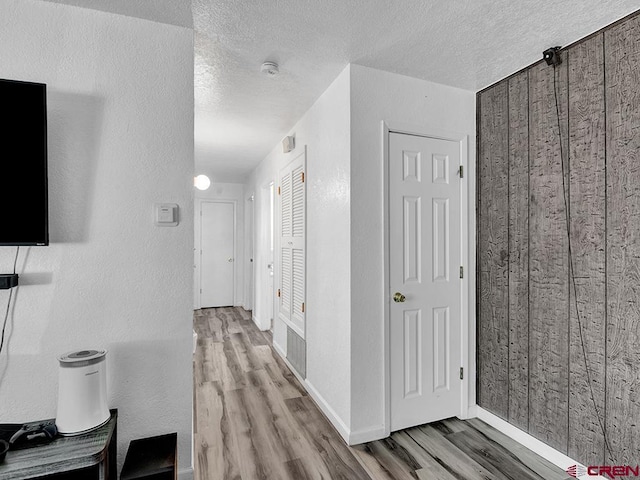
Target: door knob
{"type": "Point", "coordinates": [230, 260]}
{"type": "Point", "coordinates": [398, 297]}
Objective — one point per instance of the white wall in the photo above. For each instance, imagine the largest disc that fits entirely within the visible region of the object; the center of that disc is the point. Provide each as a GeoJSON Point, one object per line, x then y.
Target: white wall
{"type": "Point", "coordinates": [120, 97]}
{"type": "Point", "coordinates": [345, 231]}
{"type": "Point", "coordinates": [235, 193]}
{"type": "Point", "coordinates": [324, 129]}
{"type": "Point", "coordinates": [378, 96]}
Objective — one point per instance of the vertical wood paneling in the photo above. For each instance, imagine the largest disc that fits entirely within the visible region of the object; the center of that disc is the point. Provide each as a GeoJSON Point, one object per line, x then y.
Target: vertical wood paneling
{"type": "Point", "coordinates": [519, 250]}
{"type": "Point", "coordinates": [493, 320]}
{"type": "Point", "coordinates": [548, 260]}
{"type": "Point", "coordinates": [622, 54]}
{"type": "Point", "coordinates": [587, 205]}
{"type": "Point", "coordinates": [530, 298]}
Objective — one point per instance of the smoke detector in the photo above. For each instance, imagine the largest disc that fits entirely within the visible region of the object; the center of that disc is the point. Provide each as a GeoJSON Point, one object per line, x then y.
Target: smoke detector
{"type": "Point", "coordinates": [270, 69]}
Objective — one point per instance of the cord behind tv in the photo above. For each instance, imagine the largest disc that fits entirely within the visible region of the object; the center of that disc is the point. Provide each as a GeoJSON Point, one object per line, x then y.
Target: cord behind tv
{"type": "Point", "coordinates": [6, 314]}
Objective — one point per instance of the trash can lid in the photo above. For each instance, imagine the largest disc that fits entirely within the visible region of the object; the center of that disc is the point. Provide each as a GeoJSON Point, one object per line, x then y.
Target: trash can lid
{"type": "Point", "coordinates": [82, 356]}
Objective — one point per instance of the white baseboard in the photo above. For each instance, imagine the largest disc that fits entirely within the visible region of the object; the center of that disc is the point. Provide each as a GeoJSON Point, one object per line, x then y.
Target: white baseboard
{"type": "Point", "coordinates": [333, 417]}
{"type": "Point", "coordinates": [367, 435]}
{"type": "Point", "coordinates": [545, 451]}
{"type": "Point", "coordinates": [322, 404]}
{"type": "Point", "coordinates": [186, 474]}
{"type": "Point", "coordinates": [257, 323]}
{"type": "Point", "coordinates": [282, 354]}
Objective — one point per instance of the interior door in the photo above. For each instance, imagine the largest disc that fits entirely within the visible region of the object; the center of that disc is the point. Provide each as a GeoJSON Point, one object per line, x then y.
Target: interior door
{"type": "Point", "coordinates": [217, 257]}
{"type": "Point", "coordinates": [425, 255]}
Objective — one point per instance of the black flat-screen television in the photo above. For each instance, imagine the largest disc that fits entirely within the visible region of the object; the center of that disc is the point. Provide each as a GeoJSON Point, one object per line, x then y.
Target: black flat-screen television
{"type": "Point", "coordinates": [23, 163]}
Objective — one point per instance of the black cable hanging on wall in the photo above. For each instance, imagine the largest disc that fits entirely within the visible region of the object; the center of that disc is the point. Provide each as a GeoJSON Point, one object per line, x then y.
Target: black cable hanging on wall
{"type": "Point", "coordinates": [6, 315]}
{"type": "Point", "coordinates": [552, 57]}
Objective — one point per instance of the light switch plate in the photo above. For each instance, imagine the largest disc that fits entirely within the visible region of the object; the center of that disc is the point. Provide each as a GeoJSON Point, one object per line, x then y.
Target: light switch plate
{"type": "Point", "coordinates": [166, 214]}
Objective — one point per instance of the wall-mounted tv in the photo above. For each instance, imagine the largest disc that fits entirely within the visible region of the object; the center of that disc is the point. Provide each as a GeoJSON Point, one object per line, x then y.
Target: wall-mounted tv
{"type": "Point", "coordinates": [23, 163]}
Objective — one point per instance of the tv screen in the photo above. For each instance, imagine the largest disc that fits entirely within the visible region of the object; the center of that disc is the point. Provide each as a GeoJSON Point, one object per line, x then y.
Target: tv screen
{"type": "Point", "coordinates": [23, 163]}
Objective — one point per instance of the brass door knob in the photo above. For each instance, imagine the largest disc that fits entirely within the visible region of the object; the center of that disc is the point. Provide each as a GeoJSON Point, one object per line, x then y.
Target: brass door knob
{"type": "Point", "coordinates": [399, 298]}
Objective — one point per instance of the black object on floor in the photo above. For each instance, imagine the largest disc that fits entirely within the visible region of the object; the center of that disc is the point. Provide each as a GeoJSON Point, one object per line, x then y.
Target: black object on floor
{"type": "Point", "coordinates": [152, 458]}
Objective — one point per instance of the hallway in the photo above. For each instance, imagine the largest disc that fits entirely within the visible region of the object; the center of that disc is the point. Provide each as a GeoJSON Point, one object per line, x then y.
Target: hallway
{"type": "Point", "coordinates": [253, 420]}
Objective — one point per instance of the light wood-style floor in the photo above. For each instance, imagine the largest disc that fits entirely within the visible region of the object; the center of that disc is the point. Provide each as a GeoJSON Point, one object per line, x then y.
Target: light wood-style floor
{"type": "Point", "coordinates": [253, 420]}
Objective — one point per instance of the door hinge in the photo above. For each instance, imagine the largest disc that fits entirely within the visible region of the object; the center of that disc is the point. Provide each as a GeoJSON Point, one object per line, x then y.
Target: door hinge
{"type": "Point", "coordinates": [302, 176]}
{"type": "Point", "coordinates": [278, 293]}
{"type": "Point", "coordinates": [461, 272]}
{"type": "Point", "coordinates": [461, 171]}
{"type": "Point", "coordinates": [278, 190]}
{"type": "Point", "coordinates": [302, 307]}
{"type": "Point", "coordinates": [461, 373]}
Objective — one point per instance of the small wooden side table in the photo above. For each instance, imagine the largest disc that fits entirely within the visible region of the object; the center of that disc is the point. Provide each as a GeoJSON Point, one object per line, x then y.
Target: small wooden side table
{"type": "Point", "coordinates": [88, 456]}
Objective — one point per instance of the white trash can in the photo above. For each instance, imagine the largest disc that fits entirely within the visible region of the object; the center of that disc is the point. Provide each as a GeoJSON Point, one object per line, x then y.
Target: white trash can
{"type": "Point", "coordinates": [82, 392]}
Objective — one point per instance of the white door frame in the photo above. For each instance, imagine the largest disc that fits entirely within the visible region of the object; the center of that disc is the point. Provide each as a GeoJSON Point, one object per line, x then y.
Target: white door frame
{"type": "Point", "coordinates": [271, 246]}
{"type": "Point", "coordinates": [261, 252]}
{"type": "Point", "coordinates": [198, 238]}
{"type": "Point", "coordinates": [466, 362]}
{"type": "Point", "coordinates": [250, 253]}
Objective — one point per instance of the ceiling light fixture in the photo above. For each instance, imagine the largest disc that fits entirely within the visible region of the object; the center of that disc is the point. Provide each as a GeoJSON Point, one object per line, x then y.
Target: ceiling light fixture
{"type": "Point", "coordinates": [201, 182]}
{"type": "Point", "coordinates": [270, 69]}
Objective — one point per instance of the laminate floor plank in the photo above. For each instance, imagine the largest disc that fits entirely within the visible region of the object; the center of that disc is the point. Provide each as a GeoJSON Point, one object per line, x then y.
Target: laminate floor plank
{"type": "Point", "coordinates": [204, 361]}
{"type": "Point", "coordinates": [288, 387]}
{"type": "Point", "coordinates": [216, 449]}
{"type": "Point", "coordinates": [389, 459]}
{"type": "Point", "coordinates": [428, 464]}
{"type": "Point", "coordinates": [338, 458]}
{"type": "Point", "coordinates": [449, 425]}
{"type": "Point", "coordinates": [492, 456]}
{"type": "Point", "coordinates": [454, 460]}
{"type": "Point", "coordinates": [253, 420]}
{"type": "Point", "coordinates": [256, 337]}
{"type": "Point", "coordinates": [371, 465]}
{"type": "Point", "coordinates": [544, 468]}
{"type": "Point", "coordinates": [227, 368]}
{"type": "Point", "coordinates": [247, 358]}
{"type": "Point", "coordinates": [252, 441]}
{"type": "Point", "coordinates": [297, 470]}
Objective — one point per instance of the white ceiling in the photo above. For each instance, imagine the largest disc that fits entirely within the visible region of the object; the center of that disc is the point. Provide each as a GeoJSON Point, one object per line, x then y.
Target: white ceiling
{"type": "Point", "coordinates": [241, 114]}
{"type": "Point", "coordinates": [173, 12]}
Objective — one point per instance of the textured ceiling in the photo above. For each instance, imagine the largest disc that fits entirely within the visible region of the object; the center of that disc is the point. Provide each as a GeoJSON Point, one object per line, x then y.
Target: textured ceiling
{"type": "Point", "coordinates": [241, 114]}
{"type": "Point", "coordinates": [173, 12]}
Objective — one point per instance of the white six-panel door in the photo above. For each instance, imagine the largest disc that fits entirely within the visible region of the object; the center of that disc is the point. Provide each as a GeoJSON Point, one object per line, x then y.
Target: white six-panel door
{"type": "Point", "coordinates": [217, 257]}
{"type": "Point", "coordinates": [425, 284]}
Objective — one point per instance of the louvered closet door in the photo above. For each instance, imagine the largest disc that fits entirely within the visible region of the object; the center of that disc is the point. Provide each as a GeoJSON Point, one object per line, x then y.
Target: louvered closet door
{"type": "Point", "coordinates": [292, 245]}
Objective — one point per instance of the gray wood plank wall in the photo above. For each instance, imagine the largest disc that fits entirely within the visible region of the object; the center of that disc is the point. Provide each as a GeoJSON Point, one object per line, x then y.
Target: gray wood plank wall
{"type": "Point", "coordinates": [587, 206]}
{"type": "Point", "coordinates": [519, 250]}
{"type": "Point", "coordinates": [493, 265]}
{"type": "Point", "coordinates": [558, 363]}
{"type": "Point", "coordinates": [548, 260]}
{"type": "Point", "coordinates": [622, 72]}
